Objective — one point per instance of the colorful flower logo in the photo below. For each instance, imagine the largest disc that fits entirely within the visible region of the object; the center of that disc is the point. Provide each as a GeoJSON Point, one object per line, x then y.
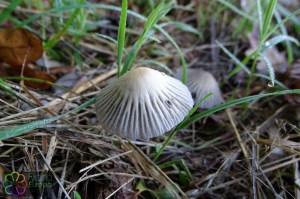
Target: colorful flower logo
{"type": "Point", "coordinates": [15, 184]}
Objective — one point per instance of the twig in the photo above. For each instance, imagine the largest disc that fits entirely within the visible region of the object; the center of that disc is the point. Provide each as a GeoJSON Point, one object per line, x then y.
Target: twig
{"type": "Point", "coordinates": [238, 137]}
{"type": "Point", "coordinates": [254, 170]}
{"type": "Point", "coordinates": [123, 185]}
{"type": "Point", "coordinates": [62, 178]}
{"type": "Point", "coordinates": [102, 161]}
{"type": "Point", "coordinates": [53, 173]}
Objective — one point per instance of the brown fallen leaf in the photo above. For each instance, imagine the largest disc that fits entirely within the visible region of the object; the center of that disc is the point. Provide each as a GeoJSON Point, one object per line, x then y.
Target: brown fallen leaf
{"type": "Point", "coordinates": [32, 72]}
{"type": "Point", "coordinates": [16, 44]}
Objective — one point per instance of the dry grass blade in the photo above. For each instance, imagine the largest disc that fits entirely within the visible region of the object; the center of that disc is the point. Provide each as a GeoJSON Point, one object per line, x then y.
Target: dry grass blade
{"type": "Point", "coordinates": [85, 86]}
{"type": "Point", "coordinates": [283, 144]}
{"type": "Point", "coordinates": [297, 179]}
{"type": "Point", "coordinates": [103, 161]}
{"type": "Point", "coordinates": [53, 173]}
{"type": "Point", "coordinates": [63, 175]}
{"type": "Point", "coordinates": [237, 134]}
{"type": "Point", "coordinates": [51, 151]}
{"type": "Point", "coordinates": [153, 170]}
{"type": "Point", "coordinates": [280, 165]}
{"type": "Point", "coordinates": [123, 185]}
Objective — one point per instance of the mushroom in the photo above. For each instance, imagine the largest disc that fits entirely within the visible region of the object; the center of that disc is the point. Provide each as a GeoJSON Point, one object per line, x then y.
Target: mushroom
{"type": "Point", "coordinates": [143, 103]}
{"type": "Point", "coordinates": [200, 84]}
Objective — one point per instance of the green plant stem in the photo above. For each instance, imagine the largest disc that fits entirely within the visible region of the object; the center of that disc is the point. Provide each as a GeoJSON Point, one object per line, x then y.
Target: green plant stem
{"type": "Point", "coordinates": [181, 162]}
{"type": "Point", "coordinates": [179, 126]}
{"type": "Point", "coordinates": [250, 78]}
{"type": "Point", "coordinates": [121, 35]}
{"type": "Point", "coordinates": [182, 59]}
{"type": "Point", "coordinates": [162, 148]}
{"type": "Point", "coordinates": [25, 128]}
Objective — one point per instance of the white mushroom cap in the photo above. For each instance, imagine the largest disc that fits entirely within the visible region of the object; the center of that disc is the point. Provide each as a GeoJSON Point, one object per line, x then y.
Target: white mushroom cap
{"type": "Point", "coordinates": [142, 104]}
{"type": "Point", "coordinates": [200, 84]}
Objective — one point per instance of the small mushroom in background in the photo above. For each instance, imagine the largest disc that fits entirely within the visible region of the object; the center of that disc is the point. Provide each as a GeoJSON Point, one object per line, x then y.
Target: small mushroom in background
{"type": "Point", "coordinates": [143, 103]}
{"type": "Point", "coordinates": [200, 84]}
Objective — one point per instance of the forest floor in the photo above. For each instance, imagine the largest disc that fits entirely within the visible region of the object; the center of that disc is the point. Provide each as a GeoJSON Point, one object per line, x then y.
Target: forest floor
{"type": "Point", "coordinates": [247, 147]}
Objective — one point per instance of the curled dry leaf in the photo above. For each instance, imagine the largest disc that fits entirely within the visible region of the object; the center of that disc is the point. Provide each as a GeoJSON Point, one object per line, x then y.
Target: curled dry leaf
{"type": "Point", "coordinates": [16, 43]}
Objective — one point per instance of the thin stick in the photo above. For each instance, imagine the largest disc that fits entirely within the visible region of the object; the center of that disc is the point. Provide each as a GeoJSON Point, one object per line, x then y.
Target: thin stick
{"type": "Point", "coordinates": [238, 137]}
{"type": "Point", "coordinates": [85, 86]}
{"type": "Point", "coordinates": [123, 185]}
{"type": "Point", "coordinates": [102, 161]}
{"type": "Point", "coordinates": [254, 170]}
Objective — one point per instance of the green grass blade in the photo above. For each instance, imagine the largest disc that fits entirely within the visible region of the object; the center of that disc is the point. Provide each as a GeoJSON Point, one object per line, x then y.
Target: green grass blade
{"type": "Point", "coordinates": [181, 163]}
{"type": "Point", "coordinates": [11, 7]}
{"type": "Point", "coordinates": [182, 59]}
{"type": "Point", "coordinates": [6, 88]}
{"type": "Point", "coordinates": [260, 17]}
{"type": "Point", "coordinates": [25, 128]}
{"type": "Point", "coordinates": [77, 195]}
{"type": "Point", "coordinates": [234, 58]}
{"type": "Point", "coordinates": [282, 22]}
{"type": "Point", "coordinates": [193, 110]}
{"type": "Point", "coordinates": [283, 29]}
{"type": "Point", "coordinates": [285, 12]}
{"type": "Point", "coordinates": [182, 26]}
{"type": "Point", "coordinates": [56, 37]}
{"type": "Point", "coordinates": [268, 17]}
{"type": "Point", "coordinates": [108, 38]}
{"type": "Point", "coordinates": [69, 8]}
{"type": "Point", "coordinates": [270, 68]}
{"type": "Point", "coordinates": [161, 65]}
{"type": "Point", "coordinates": [242, 65]}
{"type": "Point", "coordinates": [236, 9]}
{"type": "Point", "coordinates": [161, 9]}
{"type": "Point", "coordinates": [178, 127]}
{"type": "Point", "coordinates": [233, 103]}
{"type": "Point", "coordinates": [278, 83]}
{"type": "Point", "coordinates": [37, 81]}
{"type": "Point", "coordinates": [276, 40]}
{"type": "Point", "coordinates": [121, 35]}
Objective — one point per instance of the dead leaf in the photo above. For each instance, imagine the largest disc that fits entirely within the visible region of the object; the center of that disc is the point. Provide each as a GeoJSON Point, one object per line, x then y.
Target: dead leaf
{"type": "Point", "coordinates": [15, 44]}
{"type": "Point", "coordinates": [32, 72]}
